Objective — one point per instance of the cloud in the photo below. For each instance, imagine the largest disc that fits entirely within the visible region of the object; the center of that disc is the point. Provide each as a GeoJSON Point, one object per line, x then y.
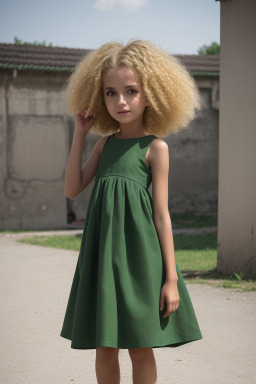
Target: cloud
{"type": "Point", "coordinates": [127, 5]}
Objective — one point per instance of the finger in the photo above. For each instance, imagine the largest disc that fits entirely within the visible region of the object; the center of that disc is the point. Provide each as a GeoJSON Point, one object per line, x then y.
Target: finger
{"type": "Point", "coordinates": [167, 313]}
{"type": "Point", "coordinates": [161, 303]}
{"type": "Point", "coordinates": [174, 308]}
{"type": "Point", "coordinates": [91, 115]}
{"type": "Point", "coordinates": [170, 310]}
{"type": "Point", "coordinates": [81, 115]}
{"type": "Point", "coordinates": [87, 114]}
{"type": "Point", "coordinates": [82, 111]}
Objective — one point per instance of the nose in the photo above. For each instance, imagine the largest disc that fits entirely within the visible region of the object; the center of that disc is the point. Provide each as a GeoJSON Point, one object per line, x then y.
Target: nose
{"type": "Point", "coordinates": [122, 100]}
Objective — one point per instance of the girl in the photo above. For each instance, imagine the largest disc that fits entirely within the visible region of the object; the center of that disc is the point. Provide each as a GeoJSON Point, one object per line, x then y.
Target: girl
{"type": "Point", "coordinates": [127, 290]}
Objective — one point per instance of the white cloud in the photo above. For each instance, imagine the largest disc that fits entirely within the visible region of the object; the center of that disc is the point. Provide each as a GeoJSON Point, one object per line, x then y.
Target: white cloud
{"type": "Point", "coordinates": [127, 5]}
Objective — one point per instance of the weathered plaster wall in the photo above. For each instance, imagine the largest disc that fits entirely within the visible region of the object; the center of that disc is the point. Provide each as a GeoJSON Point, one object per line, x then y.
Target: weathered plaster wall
{"type": "Point", "coordinates": [193, 176]}
{"type": "Point", "coordinates": [34, 148]}
{"type": "Point", "coordinates": [35, 139]}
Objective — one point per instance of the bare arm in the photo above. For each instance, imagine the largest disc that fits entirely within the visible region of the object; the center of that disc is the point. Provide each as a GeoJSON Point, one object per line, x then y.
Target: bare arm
{"type": "Point", "coordinates": [159, 161]}
{"type": "Point", "coordinates": [77, 179]}
{"type": "Point", "coordinates": [160, 171]}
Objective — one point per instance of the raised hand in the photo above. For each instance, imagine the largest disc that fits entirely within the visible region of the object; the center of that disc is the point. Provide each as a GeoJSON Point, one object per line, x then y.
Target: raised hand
{"type": "Point", "coordinates": [84, 121]}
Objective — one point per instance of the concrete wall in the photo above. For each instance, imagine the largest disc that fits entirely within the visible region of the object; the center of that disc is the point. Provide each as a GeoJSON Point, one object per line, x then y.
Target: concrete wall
{"type": "Point", "coordinates": [193, 176]}
{"type": "Point", "coordinates": [34, 149]}
{"type": "Point", "coordinates": [237, 153]}
{"type": "Point", "coordinates": [35, 139]}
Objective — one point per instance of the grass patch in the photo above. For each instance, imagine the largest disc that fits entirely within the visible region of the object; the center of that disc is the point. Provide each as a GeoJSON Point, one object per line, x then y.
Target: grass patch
{"type": "Point", "coordinates": [196, 256]}
{"type": "Point", "coordinates": [196, 252]}
{"type": "Point", "coordinates": [190, 220]}
{"type": "Point", "coordinates": [244, 285]}
{"type": "Point", "coordinates": [22, 231]}
{"type": "Point", "coordinates": [179, 221]}
{"type": "Point", "coordinates": [71, 242]}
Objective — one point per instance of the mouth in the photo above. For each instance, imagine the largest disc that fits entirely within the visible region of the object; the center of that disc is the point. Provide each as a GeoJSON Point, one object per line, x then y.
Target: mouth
{"type": "Point", "coordinates": [123, 112]}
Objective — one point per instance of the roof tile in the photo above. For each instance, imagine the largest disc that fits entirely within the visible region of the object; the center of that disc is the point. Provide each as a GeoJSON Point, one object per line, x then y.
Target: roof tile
{"type": "Point", "coordinates": [65, 59]}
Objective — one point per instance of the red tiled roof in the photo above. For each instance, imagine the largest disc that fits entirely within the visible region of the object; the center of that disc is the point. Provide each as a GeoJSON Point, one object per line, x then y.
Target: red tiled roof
{"type": "Point", "coordinates": [201, 63]}
{"type": "Point", "coordinates": [22, 57]}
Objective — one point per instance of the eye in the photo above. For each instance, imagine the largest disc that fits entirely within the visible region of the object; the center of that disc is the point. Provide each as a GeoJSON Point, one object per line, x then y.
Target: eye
{"type": "Point", "coordinates": [110, 93]}
{"type": "Point", "coordinates": [132, 91]}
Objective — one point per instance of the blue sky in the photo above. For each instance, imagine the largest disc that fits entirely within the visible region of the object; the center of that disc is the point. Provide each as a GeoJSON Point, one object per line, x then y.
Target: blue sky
{"type": "Point", "coordinates": [180, 26]}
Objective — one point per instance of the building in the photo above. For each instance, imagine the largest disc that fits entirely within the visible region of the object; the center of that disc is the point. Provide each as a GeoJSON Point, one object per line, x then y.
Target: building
{"type": "Point", "coordinates": [36, 135]}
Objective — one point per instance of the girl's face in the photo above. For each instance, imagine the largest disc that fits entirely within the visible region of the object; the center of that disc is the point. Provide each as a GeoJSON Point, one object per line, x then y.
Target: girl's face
{"type": "Point", "coordinates": [124, 97]}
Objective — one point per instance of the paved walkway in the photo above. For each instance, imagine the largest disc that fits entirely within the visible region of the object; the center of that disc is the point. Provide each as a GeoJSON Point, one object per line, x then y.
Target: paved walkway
{"type": "Point", "coordinates": [35, 284]}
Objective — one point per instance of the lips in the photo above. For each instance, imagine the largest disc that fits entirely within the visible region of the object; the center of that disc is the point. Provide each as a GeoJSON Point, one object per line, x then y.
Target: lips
{"type": "Point", "coordinates": [123, 111]}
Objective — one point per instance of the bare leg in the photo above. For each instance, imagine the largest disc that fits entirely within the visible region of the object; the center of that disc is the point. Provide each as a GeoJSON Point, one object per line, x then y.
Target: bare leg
{"type": "Point", "coordinates": [144, 365]}
{"type": "Point", "coordinates": [107, 365]}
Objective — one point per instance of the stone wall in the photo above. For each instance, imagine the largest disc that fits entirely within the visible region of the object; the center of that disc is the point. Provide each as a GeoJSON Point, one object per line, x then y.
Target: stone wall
{"type": "Point", "coordinates": [35, 139]}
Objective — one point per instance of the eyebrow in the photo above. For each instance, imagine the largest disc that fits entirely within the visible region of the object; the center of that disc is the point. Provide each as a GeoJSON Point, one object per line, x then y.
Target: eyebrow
{"type": "Point", "coordinates": [127, 86]}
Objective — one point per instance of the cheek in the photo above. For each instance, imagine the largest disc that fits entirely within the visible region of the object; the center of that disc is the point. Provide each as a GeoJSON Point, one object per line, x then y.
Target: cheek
{"type": "Point", "coordinates": [140, 102]}
{"type": "Point", "coordinates": [108, 105]}
{"type": "Point", "coordinates": [140, 98]}
{"type": "Point", "coordinates": [106, 101]}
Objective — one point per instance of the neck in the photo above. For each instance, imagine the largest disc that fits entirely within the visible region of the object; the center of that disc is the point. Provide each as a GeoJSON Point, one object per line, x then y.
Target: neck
{"type": "Point", "coordinates": [135, 129]}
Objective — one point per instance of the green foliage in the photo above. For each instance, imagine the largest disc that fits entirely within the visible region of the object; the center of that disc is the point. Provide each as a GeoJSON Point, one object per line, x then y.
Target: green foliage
{"type": "Point", "coordinates": [240, 276]}
{"type": "Point", "coordinates": [55, 241]}
{"type": "Point", "coordinates": [213, 49]}
{"type": "Point", "coordinates": [20, 42]}
{"type": "Point", "coordinates": [195, 253]}
{"type": "Point", "coordinates": [189, 220]}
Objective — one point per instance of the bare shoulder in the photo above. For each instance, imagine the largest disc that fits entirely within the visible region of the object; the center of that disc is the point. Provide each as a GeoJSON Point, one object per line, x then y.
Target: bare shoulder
{"type": "Point", "coordinates": [158, 150]}
{"type": "Point", "coordinates": [159, 145]}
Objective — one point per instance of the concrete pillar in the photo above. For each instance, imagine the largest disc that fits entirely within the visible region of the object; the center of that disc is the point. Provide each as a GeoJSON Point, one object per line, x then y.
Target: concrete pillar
{"type": "Point", "coordinates": [237, 139]}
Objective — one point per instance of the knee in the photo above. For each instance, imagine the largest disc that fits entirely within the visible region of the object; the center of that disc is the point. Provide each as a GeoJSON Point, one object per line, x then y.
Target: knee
{"type": "Point", "coordinates": [139, 353]}
{"type": "Point", "coordinates": [107, 353]}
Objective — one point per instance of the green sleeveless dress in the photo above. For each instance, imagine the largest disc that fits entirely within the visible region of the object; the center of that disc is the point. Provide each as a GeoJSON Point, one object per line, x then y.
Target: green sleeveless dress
{"type": "Point", "coordinates": [115, 294]}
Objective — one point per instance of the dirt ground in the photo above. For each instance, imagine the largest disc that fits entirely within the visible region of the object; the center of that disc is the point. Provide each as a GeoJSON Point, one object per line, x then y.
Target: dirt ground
{"type": "Point", "coordinates": [35, 283]}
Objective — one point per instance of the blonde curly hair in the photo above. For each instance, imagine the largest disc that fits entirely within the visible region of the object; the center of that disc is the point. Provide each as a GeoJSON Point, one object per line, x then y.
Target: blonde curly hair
{"type": "Point", "coordinates": [171, 91]}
